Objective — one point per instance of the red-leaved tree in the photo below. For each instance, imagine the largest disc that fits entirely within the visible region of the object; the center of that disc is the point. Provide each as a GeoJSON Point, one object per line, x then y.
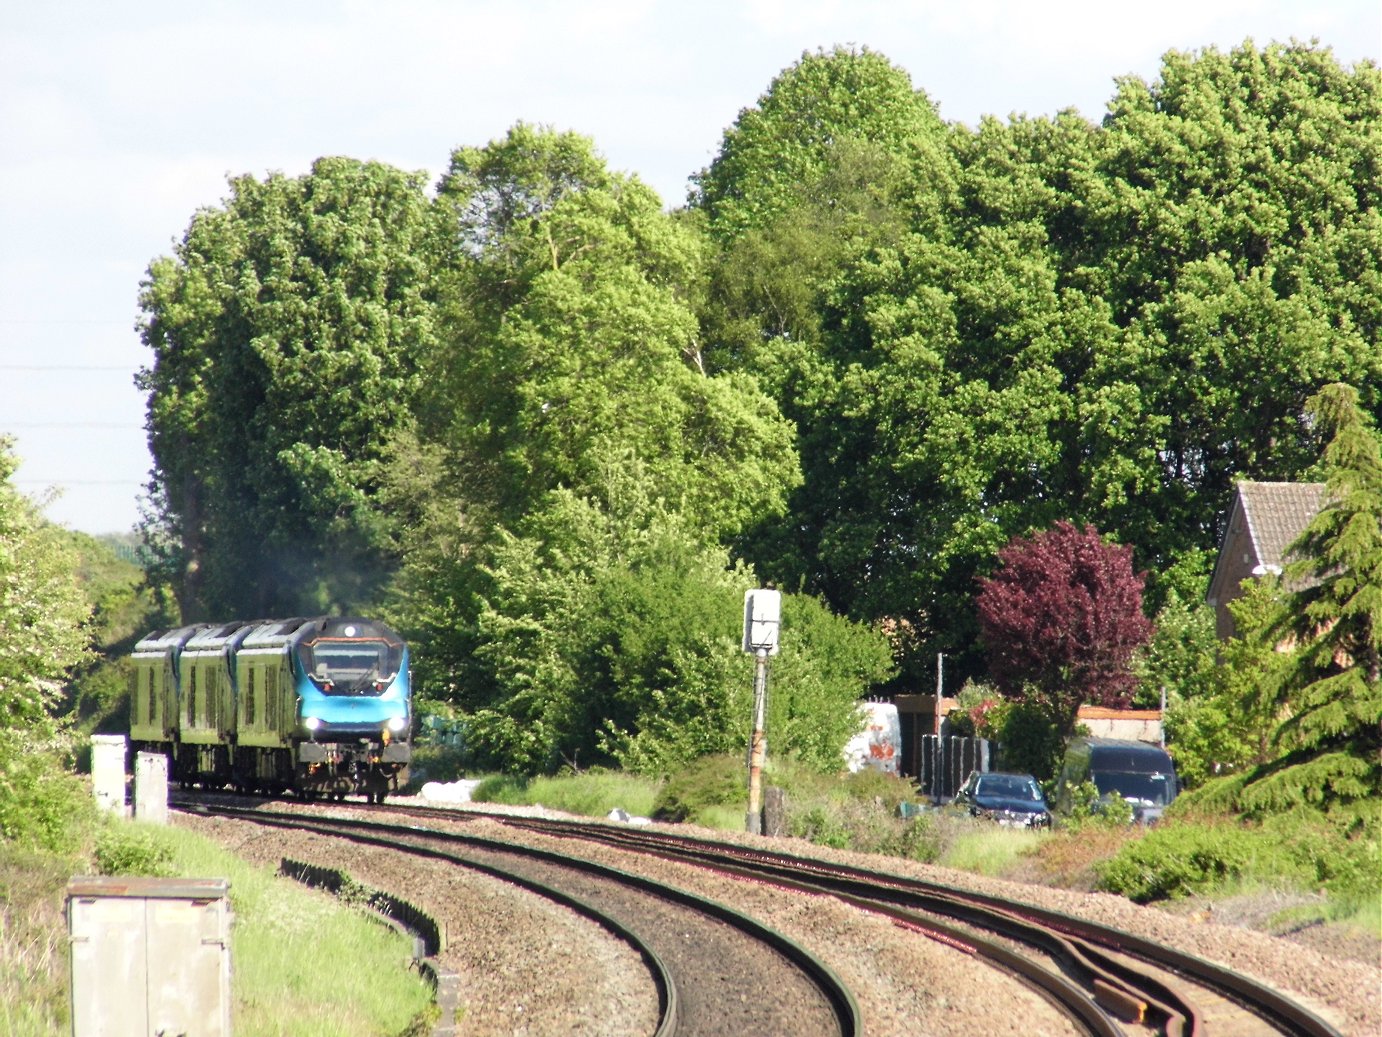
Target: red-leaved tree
{"type": "Point", "coordinates": [1061, 618]}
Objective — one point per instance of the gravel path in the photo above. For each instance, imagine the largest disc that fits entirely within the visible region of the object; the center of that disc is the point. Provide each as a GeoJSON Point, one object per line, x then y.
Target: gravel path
{"type": "Point", "coordinates": [525, 964]}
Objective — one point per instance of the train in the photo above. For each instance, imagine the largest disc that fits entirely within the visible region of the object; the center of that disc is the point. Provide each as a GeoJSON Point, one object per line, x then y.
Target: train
{"type": "Point", "coordinates": [315, 706]}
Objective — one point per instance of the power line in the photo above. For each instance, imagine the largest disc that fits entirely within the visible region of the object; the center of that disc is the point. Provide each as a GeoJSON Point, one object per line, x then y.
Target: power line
{"type": "Point", "coordinates": [71, 424]}
{"type": "Point", "coordinates": [65, 367]}
{"type": "Point", "coordinates": [80, 482]}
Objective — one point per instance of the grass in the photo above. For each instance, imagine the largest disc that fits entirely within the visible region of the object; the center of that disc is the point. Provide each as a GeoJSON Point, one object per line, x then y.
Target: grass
{"type": "Point", "coordinates": [302, 963]}
{"type": "Point", "coordinates": [33, 943]}
{"type": "Point", "coordinates": [990, 850]}
{"type": "Point", "coordinates": [591, 793]}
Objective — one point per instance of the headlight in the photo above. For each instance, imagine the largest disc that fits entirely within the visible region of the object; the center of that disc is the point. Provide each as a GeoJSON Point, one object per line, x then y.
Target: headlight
{"type": "Point", "coordinates": [311, 723]}
{"type": "Point", "coordinates": [397, 724]}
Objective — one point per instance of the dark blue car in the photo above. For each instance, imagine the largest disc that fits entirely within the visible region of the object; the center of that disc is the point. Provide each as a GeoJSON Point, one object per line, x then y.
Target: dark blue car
{"type": "Point", "coordinates": [1014, 800]}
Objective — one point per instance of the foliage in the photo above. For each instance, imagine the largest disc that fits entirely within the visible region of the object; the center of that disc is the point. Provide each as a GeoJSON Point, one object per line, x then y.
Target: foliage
{"type": "Point", "coordinates": [858, 811]}
{"type": "Point", "coordinates": [43, 619]}
{"type": "Point", "coordinates": [287, 331]}
{"type": "Point", "coordinates": [1174, 861]}
{"type": "Point", "coordinates": [608, 632]}
{"type": "Point", "coordinates": [1046, 320]}
{"type": "Point", "coordinates": [34, 949]}
{"type": "Point", "coordinates": [1304, 673]}
{"type": "Point", "coordinates": [1061, 618]}
{"type": "Point", "coordinates": [592, 793]}
{"type": "Point", "coordinates": [279, 926]}
{"type": "Point", "coordinates": [1182, 655]}
{"type": "Point", "coordinates": [123, 849]}
{"type": "Point", "coordinates": [1028, 739]}
{"type": "Point", "coordinates": [809, 112]}
{"type": "Point", "coordinates": [1229, 726]}
{"type": "Point", "coordinates": [568, 343]}
{"type": "Point", "coordinates": [124, 605]}
{"type": "Point", "coordinates": [1087, 809]}
{"type": "Point", "coordinates": [1332, 692]}
{"type": "Point", "coordinates": [720, 780]}
{"type": "Point", "coordinates": [1180, 858]}
{"type": "Point", "coordinates": [988, 849]}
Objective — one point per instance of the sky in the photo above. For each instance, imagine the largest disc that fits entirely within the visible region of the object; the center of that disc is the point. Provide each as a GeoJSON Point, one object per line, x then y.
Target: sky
{"type": "Point", "coordinates": [119, 119]}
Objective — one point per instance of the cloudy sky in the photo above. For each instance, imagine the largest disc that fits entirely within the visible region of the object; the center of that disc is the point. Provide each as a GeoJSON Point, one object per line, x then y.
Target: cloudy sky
{"type": "Point", "coordinates": [118, 119]}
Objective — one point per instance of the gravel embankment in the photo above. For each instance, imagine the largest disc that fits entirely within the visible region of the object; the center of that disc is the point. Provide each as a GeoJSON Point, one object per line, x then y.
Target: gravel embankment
{"type": "Point", "coordinates": [530, 968]}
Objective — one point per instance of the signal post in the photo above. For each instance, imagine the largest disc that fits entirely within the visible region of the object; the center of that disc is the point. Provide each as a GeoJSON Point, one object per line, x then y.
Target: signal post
{"type": "Point", "coordinates": [762, 622]}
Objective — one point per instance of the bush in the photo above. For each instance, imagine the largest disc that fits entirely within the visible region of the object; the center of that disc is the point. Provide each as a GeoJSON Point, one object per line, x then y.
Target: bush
{"type": "Point", "coordinates": [1176, 861]}
{"type": "Point", "coordinates": [42, 805]}
{"type": "Point", "coordinates": [125, 849]}
{"type": "Point", "coordinates": [507, 789]}
{"type": "Point", "coordinates": [1087, 809]}
{"type": "Point", "coordinates": [711, 781]}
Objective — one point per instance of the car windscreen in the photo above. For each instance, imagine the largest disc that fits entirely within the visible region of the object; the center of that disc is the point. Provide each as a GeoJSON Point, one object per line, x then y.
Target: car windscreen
{"type": "Point", "coordinates": [1152, 789]}
{"type": "Point", "coordinates": [1009, 788]}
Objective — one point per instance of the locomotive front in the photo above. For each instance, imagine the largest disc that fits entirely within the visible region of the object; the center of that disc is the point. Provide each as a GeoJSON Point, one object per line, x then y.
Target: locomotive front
{"type": "Point", "coordinates": [353, 702]}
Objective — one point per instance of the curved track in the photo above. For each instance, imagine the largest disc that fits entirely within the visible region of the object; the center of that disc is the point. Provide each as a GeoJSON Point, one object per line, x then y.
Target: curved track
{"type": "Point", "coordinates": [1107, 982]}
{"type": "Point", "coordinates": [710, 985]}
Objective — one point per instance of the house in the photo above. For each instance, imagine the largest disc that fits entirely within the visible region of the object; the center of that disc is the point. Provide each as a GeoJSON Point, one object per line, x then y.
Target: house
{"type": "Point", "coordinates": [1263, 521]}
{"type": "Point", "coordinates": [1130, 725]}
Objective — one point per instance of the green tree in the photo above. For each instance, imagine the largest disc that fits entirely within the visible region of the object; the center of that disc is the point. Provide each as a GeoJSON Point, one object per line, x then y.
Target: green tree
{"type": "Point", "coordinates": [609, 633]}
{"type": "Point", "coordinates": [1331, 737]}
{"type": "Point", "coordinates": [568, 331]}
{"type": "Point", "coordinates": [42, 637]}
{"type": "Point", "coordinates": [287, 332]}
{"type": "Point", "coordinates": [1235, 221]}
{"type": "Point", "coordinates": [797, 129]}
{"type": "Point", "coordinates": [1039, 318]}
{"type": "Point", "coordinates": [1221, 722]}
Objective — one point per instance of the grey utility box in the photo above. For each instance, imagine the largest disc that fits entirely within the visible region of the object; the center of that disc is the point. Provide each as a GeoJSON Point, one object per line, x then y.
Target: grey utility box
{"type": "Point", "coordinates": [149, 957]}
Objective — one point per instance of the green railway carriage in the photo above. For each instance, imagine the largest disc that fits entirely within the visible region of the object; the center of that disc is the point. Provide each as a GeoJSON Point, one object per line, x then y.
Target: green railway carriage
{"type": "Point", "coordinates": [154, 689]}
{"type": "Point", "coordinates": [206, 712]}
{"type": "Point", "coordinates": [266, 709]}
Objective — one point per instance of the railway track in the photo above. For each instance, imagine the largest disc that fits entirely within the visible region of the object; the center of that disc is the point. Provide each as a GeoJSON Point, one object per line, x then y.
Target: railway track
{"type": "Point", "coordinates": [708, 963]}
{"type": "Point", "coordinates": [1104, 981]}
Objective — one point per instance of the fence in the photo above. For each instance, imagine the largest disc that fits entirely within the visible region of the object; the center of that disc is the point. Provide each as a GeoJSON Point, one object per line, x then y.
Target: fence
{"type": "Point", "coordinates": [943, 763]}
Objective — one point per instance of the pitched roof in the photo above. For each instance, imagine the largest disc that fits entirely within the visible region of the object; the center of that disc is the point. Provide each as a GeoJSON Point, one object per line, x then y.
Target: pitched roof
{"type": "Point", "coordinates": [1277, 513]}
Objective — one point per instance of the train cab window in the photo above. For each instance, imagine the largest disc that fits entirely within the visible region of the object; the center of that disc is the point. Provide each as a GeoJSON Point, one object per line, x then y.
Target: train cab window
{"type": "Point", "coordinates": [351, 666]}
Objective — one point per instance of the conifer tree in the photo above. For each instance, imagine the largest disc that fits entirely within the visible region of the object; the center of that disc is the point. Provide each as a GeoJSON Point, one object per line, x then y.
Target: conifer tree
{"type": "Point", "coordinates": [1331, 737]}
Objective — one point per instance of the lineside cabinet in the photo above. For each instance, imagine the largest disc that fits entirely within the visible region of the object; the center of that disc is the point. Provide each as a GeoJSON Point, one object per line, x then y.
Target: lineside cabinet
{"type": "Point", "coordinates": [149, 957]}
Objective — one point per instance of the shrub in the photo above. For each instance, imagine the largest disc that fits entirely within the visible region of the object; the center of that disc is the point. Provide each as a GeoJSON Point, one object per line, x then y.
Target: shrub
{"type": "Point", "coordinates": [124, 849]}
{"type": "Point", "coordinates": [42, 805]}
{"type": "Point", "coordinates": [1087, 809]}
{"type": "Point", "coordinates": [1176, 861]}
{"type": "Point", "coordinates": [711, 781]}
{"type": "Point", "coordinates": [508, 789]}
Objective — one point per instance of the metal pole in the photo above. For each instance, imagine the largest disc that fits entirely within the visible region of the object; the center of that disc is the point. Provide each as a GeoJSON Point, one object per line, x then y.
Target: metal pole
{"type": "Point", "coordinates": [757, 747]}
{"type": "Point", "coordinates": [940, 688]}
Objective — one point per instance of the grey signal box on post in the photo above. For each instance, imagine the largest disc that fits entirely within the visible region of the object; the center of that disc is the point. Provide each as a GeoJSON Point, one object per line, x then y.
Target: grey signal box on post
{"type": "Point", "coordinates": [762, 620]}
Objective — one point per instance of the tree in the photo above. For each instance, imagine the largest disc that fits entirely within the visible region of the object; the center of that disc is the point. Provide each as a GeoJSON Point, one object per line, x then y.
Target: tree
{"type": "Point", "coordinates": [567, 331]}
{"type": "Point", "coordinates": [1061, 619]}
{"type": "Point", "coordinates": [791, 137]}
{"type": "Point", "coordinates": [1223, 723]}
{"type": "Point", "coordinates": [1041, 318]}
{"type": "Point", "coordinates": [1331, 734]}
{"type": "Point", "coordinates": [608, 632]}
{"type": "Point", "coordinates": [42, 637]}
{"type": "Point", "coordinates": [287, 333]}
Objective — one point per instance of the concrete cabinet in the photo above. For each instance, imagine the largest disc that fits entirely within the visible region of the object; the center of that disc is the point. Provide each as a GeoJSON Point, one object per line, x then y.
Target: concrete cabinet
{"type": "Point", "coordinates": [150, 957]}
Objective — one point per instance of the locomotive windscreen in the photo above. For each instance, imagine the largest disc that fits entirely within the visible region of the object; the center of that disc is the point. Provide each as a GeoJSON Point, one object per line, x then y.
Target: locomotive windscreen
{"type": "Point", "coordinates": [349, 666]}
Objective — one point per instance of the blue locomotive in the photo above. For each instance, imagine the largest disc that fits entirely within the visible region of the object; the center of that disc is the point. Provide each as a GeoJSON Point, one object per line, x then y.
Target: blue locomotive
{"type": "Point", "coordinates": [318, 706]}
